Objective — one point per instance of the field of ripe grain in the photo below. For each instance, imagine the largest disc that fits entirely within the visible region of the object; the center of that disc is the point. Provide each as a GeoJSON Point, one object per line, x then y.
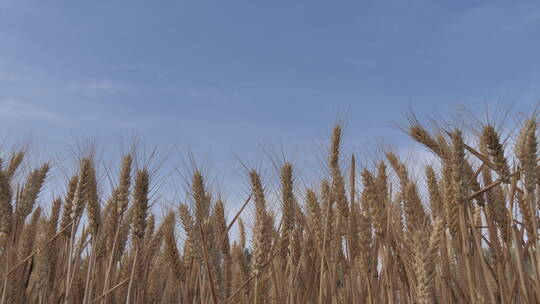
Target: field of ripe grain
{"type": "Point", "coordinates": [465, 230]}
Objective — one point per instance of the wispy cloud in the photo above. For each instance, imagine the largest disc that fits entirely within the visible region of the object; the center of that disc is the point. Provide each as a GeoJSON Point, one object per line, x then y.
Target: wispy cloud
{"type": "Point", "coordinates": [495, 20]}
{"type": "Point", "coordinates": [4, 4]}
{"type": "Point", "coordinates": [99, 88]}
{"type": "Point", "coordinates": [10, 109]}
{"type": "Point", "coordinates": [6, 77]}
{"type": "Point", "coordinates": [141, 68]}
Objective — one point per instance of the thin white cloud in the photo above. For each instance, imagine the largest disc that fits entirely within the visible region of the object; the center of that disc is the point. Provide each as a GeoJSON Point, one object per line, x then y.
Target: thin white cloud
{"type": "Point", "coordinates": [141, 68]}
{"type": "Point", "coordinates": [533, 16]}
{"type": "Point", "coordinates": [10, 109]}
{"type": "Point", "coordinates": [5, 4]}
{"type": "Point", "coordinates": [7, 77]}
{"type": "Point", "coordinates": [99, 88]}
{"type": "Point", "coordinates": [496, 20]}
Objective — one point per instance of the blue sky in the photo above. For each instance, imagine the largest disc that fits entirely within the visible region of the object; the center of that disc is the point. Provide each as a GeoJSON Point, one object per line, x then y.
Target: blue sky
{"type": "Point", "coordinates": [224, 78]}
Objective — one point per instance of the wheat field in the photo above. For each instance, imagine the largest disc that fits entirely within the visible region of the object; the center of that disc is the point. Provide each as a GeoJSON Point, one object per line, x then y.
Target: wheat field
{"type": "Point", "coordinates": [462, 230]}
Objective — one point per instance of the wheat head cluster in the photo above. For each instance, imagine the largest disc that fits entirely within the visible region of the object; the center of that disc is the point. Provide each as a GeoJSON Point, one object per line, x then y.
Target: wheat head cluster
{"type": "Point", "coordinates": [461, 230]}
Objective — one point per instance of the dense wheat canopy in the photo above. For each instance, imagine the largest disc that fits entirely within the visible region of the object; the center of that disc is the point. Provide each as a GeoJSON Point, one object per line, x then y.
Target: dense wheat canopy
{"type": "Point", "coordinates": [464, 232]}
